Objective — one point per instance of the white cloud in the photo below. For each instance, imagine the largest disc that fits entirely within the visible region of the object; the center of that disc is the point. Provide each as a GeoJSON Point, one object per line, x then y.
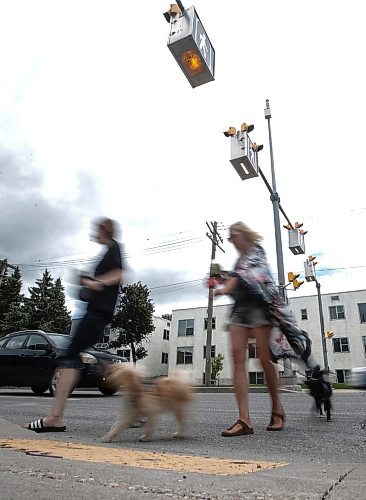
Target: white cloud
{"type": "Point", "coordinates": [91, 87]}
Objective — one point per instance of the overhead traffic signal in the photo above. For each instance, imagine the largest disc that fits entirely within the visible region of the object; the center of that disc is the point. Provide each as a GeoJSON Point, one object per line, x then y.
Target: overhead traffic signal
{"type": "Point", "coordinates": [311, 258]}
{"type": "Point", "coordinates": [246, 128]}
{"type": "Point", "coordinates": [292, 276]}
{"type": "Point", "coordinates": [230, 132]}
{"type": "Point", "coordinates": [330, 334]}
{"type": "Point", "coordinates": [257, 147]}
{"type": "Point", "coordinates": [244, 153]}
{"type": "Point", "coordinates": [297, 284]}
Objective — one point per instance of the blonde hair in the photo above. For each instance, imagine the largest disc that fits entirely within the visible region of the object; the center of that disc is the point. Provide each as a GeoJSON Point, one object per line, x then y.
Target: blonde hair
{"type": "Point", "coordinates": [249, 234]}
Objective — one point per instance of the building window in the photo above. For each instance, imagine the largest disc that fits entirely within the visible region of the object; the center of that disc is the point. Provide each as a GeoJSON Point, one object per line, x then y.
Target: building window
{"type": "Point", "coordinates": [364, 345]}
{"type": "Point", "coordinates": [166, 335]}
{"type": "Point", "coordinates": [304, 314]}
{"type": "Point", "coordinates": [168, 324]}
{"type": "Point", "coordinates": [125, 353]}
{"type": "Point", "coordinates": [342, 376]}
{"type": "Point", "coordinates": [252, 350]}
{"type": "Point", "coordinates": [213, 351]}
{"type": "Point", "coordinates": [362, 312]}
{"type": "Point", "coordinates": [185, 327]}
{"type": "Point", "coordinates": [336, 312]}
{"type": "Point", "coordinates": [213, 323]}
{"type": "Point", "coordinates": [256, 378]}
{"type": "Point", "coordinates": [340, 344]}
{"type": "Point", "coordinates": [164, 358]}
{"type": "Point", "coordinates": [184, 355]}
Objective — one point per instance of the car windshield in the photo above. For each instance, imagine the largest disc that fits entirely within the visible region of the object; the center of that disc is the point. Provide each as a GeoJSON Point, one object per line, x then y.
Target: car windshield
{"type": "Point", "coordinates": [63, 341]}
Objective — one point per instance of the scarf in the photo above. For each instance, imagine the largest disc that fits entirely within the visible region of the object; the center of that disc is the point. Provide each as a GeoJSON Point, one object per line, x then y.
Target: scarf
{"type": "Point", "coordinates": [287, 340]}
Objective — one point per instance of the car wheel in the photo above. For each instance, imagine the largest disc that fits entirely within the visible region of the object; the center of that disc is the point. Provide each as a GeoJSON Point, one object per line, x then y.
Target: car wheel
{"type": "Point", "coordinates": [54, 379]}
{"type": "Point", "coordinates": [39, 389]}
{"type": "Point", "coordinates": [108, 391]}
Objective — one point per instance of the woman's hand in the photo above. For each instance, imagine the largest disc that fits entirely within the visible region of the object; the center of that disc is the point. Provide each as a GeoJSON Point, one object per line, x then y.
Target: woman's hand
{"type": "Point", "coordinates": [94, 285]}
{"type": "Point", "coordinates": [219, 291]}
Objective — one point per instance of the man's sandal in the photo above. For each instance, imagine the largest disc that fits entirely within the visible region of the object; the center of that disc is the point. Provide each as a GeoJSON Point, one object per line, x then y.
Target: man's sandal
{"type": "Point", "coordinates": [271, 426]}
{"type": "Point", "coordinates": [245, 429]}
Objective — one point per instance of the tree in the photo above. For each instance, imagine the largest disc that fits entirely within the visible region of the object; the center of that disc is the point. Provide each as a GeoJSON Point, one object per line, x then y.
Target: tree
{"type": "Point", "coordinates": [11, 303]}
{"type": "Point", "coordinates": [217, 365]}
{"type": "Point", "coordinates": [46, 306]}
{"type": "Point", "coordinates": [60, 315]}
{"type": "Point", "coordinates": [167, 316]}
{"type": "Point", "coordinates": [15, 319]}
{"type": "Point", "coordinates": [133, 321]}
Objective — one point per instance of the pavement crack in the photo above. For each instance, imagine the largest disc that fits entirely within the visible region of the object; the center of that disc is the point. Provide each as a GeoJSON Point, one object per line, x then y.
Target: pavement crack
{"type": "Point", "coordinates": [340, 479]}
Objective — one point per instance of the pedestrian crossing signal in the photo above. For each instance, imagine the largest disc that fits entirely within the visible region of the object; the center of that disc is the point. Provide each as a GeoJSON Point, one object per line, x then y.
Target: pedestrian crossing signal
{"type": "Point", "coordinates": [330, 334]}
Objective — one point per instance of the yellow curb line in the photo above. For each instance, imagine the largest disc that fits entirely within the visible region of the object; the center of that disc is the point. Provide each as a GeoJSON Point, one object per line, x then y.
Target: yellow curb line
{"type": "Point", "coordinates": [137, 458]}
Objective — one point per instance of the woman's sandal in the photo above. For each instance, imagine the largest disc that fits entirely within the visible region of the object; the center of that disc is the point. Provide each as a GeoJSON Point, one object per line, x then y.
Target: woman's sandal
{"type": "Point", "coordinates": [245, 429]}
{"type": "Point", "coordinates": [271, 426]}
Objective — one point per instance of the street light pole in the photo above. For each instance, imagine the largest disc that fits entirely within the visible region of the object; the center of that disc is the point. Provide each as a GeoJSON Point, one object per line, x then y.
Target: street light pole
{"type": "Point", "coordinates": [287, 368]}
{"type": "Point", "coordinates": [275, 199]}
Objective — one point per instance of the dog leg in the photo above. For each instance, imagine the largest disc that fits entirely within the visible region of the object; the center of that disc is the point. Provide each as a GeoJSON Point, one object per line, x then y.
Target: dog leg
{"type": "Point", "coordinates": [180, 416]}
{"type": "Point", "coordinates": [118, 427]}
{"type": "Point", "coordinates": [150, 426]}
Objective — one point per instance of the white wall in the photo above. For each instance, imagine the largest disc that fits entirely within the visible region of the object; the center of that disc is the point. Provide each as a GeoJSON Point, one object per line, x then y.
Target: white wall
{"type": "Point", "coordinates": [152, 365]}
{"type": "Point", "coordinates": [198, 340]}
{"type": "Point", "coordinates": [350, 327]}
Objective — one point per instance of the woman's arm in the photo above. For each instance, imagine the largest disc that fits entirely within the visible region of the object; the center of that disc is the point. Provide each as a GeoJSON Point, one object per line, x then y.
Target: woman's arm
{"type": "Point", "coordinates": [113, 277]}
{"type": "Point", "coordinates": [228, 288]}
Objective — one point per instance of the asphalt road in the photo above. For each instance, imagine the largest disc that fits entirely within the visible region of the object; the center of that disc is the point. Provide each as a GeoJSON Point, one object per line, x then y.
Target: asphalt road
{"type": "Point", "coordinates": [321, 457]}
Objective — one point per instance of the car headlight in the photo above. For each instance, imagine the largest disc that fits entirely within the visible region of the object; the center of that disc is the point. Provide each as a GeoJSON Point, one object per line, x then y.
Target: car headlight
{"type": "Point", "coordinates": [88, 359]}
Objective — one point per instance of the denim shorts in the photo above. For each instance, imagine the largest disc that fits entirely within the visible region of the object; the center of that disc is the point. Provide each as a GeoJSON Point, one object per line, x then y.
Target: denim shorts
{"type": "Point", "coordinates": [88, 332]}
{"type": "Point", "coordinates": [249, 316]}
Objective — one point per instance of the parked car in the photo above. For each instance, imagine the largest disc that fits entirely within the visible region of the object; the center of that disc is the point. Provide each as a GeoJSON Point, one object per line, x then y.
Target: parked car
{"type": "Point", "coordinates": [29, 359]}
{"type": "Point", "coordinates": [357, 377]}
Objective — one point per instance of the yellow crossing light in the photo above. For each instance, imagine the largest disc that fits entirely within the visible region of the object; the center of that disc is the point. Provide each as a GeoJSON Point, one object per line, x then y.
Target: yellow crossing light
{"type": "Point", "coordinates": [330, 334]}
{"type": "Point", "coordinates": [297, 283]}
{"type": "Point", "coordinates": [246, 128]}
{"type": "Point", "coordinates": [230, 132]}
{"type": "Point", "coordinates": [292, 276]}
{"type": "Point", "coordinates": [257, 147]}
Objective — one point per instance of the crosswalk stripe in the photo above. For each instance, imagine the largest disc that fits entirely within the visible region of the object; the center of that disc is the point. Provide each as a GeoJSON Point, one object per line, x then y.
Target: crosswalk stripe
{"type": "Point", "coordinates": [138, 458]}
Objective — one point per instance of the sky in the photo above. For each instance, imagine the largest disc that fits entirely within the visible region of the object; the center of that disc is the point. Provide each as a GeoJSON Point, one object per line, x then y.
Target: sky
{"type": "Point", "coordinates": [96, 118]}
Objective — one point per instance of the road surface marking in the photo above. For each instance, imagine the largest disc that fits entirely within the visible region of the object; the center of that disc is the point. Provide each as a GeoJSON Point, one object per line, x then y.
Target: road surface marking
{"type": "Point", "coordinates": [137, 458]}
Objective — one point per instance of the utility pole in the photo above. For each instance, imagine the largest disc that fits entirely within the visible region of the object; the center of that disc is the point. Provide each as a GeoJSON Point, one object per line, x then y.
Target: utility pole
{"type": "Point", "coordinates": [214, 237]}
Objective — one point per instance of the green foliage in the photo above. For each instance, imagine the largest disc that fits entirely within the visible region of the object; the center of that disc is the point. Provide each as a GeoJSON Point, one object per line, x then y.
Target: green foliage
{"type": "Point", "coordinates": [133, 321]}
{"type": "Point", "coordinates": [217, 365]}
{"type": "Point", "coordinates": [167, 316]}
{"type": "Point", "coordinates": [13, 315]}
{"type": "Point", "coordinates": [46, 306]}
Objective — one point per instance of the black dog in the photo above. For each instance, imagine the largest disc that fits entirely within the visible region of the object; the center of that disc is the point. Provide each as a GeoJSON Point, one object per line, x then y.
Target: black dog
{"type": "Point", "coordinates": [321, 391]}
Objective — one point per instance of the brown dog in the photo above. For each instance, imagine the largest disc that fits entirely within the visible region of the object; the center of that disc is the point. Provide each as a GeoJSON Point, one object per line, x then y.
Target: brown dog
{"type": "Point", "coordinates": [164, 394]}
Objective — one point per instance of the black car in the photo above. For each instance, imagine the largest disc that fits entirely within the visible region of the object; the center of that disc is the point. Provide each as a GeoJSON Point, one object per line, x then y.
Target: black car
{"type": "Point", "coordinates": [29, 359]}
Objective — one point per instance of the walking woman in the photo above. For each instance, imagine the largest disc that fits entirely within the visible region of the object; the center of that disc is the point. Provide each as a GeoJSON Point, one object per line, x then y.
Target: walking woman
{"type": "Point", "coordinates": [102, 292]}
{"type": "Point", "coordinates": [257, 308]}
